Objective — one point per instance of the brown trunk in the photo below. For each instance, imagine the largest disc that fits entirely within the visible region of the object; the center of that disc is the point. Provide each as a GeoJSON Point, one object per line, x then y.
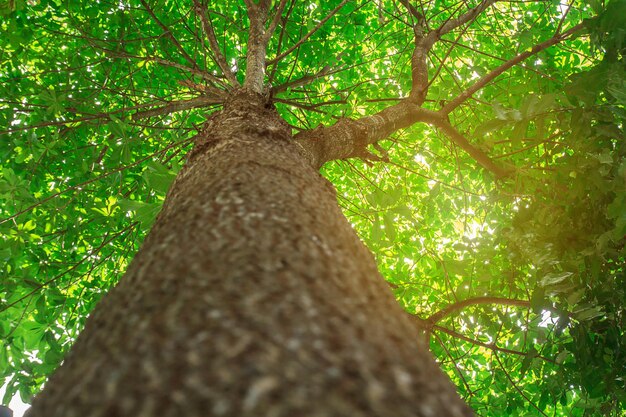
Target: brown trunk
{"type": "Point", "coordinates": [251, 296]}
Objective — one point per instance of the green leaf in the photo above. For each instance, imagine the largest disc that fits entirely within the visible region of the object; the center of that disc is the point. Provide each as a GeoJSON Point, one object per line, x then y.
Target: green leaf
{"type": "Point", "coordinates": [528, 359]}
{"type": "Point", "coordinates": [158, 177]}
{"type": "Point", "coordinates": [390, 228]}
{"type": "Point", "coordinates": [555, 278]}
{"type": "Point", "coordinates": [589, 313]}
{"type": "Point", "coordinates": [145, 213]}
{"type": "Point", "coordinates": [376, 231]}
{"type": "Point", "coordinates": [538, 300]}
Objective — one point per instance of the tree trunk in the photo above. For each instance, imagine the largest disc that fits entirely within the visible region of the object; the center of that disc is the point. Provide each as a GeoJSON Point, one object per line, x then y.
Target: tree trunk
{"type": "Point", "coordinates": [251, 296]}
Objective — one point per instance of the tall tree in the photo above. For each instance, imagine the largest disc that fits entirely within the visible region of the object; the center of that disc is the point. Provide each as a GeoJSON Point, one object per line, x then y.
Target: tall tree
{"type": "Point", "coordinates": [477, 147]}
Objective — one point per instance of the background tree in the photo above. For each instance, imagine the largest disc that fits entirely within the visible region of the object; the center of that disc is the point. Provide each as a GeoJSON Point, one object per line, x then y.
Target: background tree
{"type": "Point", "coordinates": [477, 148]}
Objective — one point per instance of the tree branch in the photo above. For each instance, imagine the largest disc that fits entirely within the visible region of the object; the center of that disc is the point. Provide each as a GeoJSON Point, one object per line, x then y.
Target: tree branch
{"type": "Point", "coordinates": [92, 180]}
{"type": "Point", "coordinates": [348, 138]}
{"type": "Point", "coordinates": [87, 257]}
{"type": "Point", "coordinates": [308, 35]}
{"type": "Point", "coordinates": [177, 106]}
{"type": "Point", "coordinates": [301, 81]}
{"type": "Point", "coordinates": [419, 66]}
{"type": "Point", "coordinates": [217, 52]}
{"type": "Point", "coordinates": [490, 346]}
{"type": "Point", "coordinates": [461, 98]}
{"type": "Point", "coordinates": [470, 15]}
{"type": "Point", "coordinates": [478, 155]}
{"type": "Point", "coordinates": [257, 46]}
{"type": "Point", "coordinates": [508, 376]}
{"type": "Point", "coordinates": [460, 305]}
{"type": "Point", "coordinates": [169, 34]}
{"type": "Point", "coordinates": [424, 42]}
{"type": "Point", "coordinates": [275, 20]}
{"type": "Point", "coordinates": [202, 74]}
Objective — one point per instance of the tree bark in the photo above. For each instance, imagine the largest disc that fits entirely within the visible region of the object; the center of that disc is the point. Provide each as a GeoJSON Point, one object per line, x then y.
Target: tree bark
{"type": "Point", "coordinates": [251, 296]}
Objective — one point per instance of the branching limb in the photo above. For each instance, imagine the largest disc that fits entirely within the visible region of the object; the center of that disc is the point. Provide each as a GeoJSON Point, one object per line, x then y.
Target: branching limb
{"type": "Point", "coordinates": [430, 324]}
{"type": "Point", "coordinates": [424, 41]}
{"type": "Point", "coordinates": [202, 13]}
{"type": "Point", "coordinates": [349, 138]}
{"type": "Point", "coordinates": [467, 17]}
{"type": "Point", "coordinates": [419, 65]}
{"type": "Point", "coordinates": [135, 112]}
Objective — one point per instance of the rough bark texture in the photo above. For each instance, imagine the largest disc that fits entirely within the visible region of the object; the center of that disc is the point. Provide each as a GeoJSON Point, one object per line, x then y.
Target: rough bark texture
{"type": "Point", "coordinates": [251, 296]}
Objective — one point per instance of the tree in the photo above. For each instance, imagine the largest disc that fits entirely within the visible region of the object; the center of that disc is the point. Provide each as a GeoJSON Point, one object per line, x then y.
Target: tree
{"type": "Point", "coordinates": [477, 148]}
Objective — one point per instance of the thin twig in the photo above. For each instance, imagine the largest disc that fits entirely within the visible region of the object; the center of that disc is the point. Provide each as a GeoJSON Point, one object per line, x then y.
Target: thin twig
{"type": "Point", "coordinates": [176, 106]}
{"type": "Point", "coordinates": [490, 346]}
{"type": "Point", "coordinates": [479, 156]}
{"type": "Point", "coordinates": [308, 35]}
{"type": "Point", "coordinates": [217, 52]}
{"type": "Point", "coordinates": [461, 98]}
{"type": "Point", "coordinates": [275, 20]}
{"type": "Point", "coordinates": [169, 34]}
{"type": "Point", "coordinates": [516, 387]}
{"type": "Point", "coordinates": [463, 19]}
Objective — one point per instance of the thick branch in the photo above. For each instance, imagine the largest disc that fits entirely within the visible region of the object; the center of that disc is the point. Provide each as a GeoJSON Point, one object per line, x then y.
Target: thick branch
{"type": "Point", "coordinates": [419, 66]}
{"type": "Point", "coordinates": [424, 43]}
{"type": "Point", "coordinates": [460, 305]}
{"type": "Point", "coordinates": [257, 45]}
{"type": "Point", "coordinates": [348, 138]}
{"type": "Point", "coordinates": [419, 73]}
{"type": "Point", "coordinates": [217, 52]}
{"type": "Point", "coordinates": [461, 98]}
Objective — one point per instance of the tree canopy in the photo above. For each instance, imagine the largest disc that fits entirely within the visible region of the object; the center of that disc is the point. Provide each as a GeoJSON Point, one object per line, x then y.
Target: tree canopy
{"type": "Point", "coordinates": [496, 206]}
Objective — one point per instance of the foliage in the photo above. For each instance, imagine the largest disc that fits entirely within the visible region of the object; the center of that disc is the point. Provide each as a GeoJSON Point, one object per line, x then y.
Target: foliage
{"type": "Point", "coordinates": [100, 102]}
